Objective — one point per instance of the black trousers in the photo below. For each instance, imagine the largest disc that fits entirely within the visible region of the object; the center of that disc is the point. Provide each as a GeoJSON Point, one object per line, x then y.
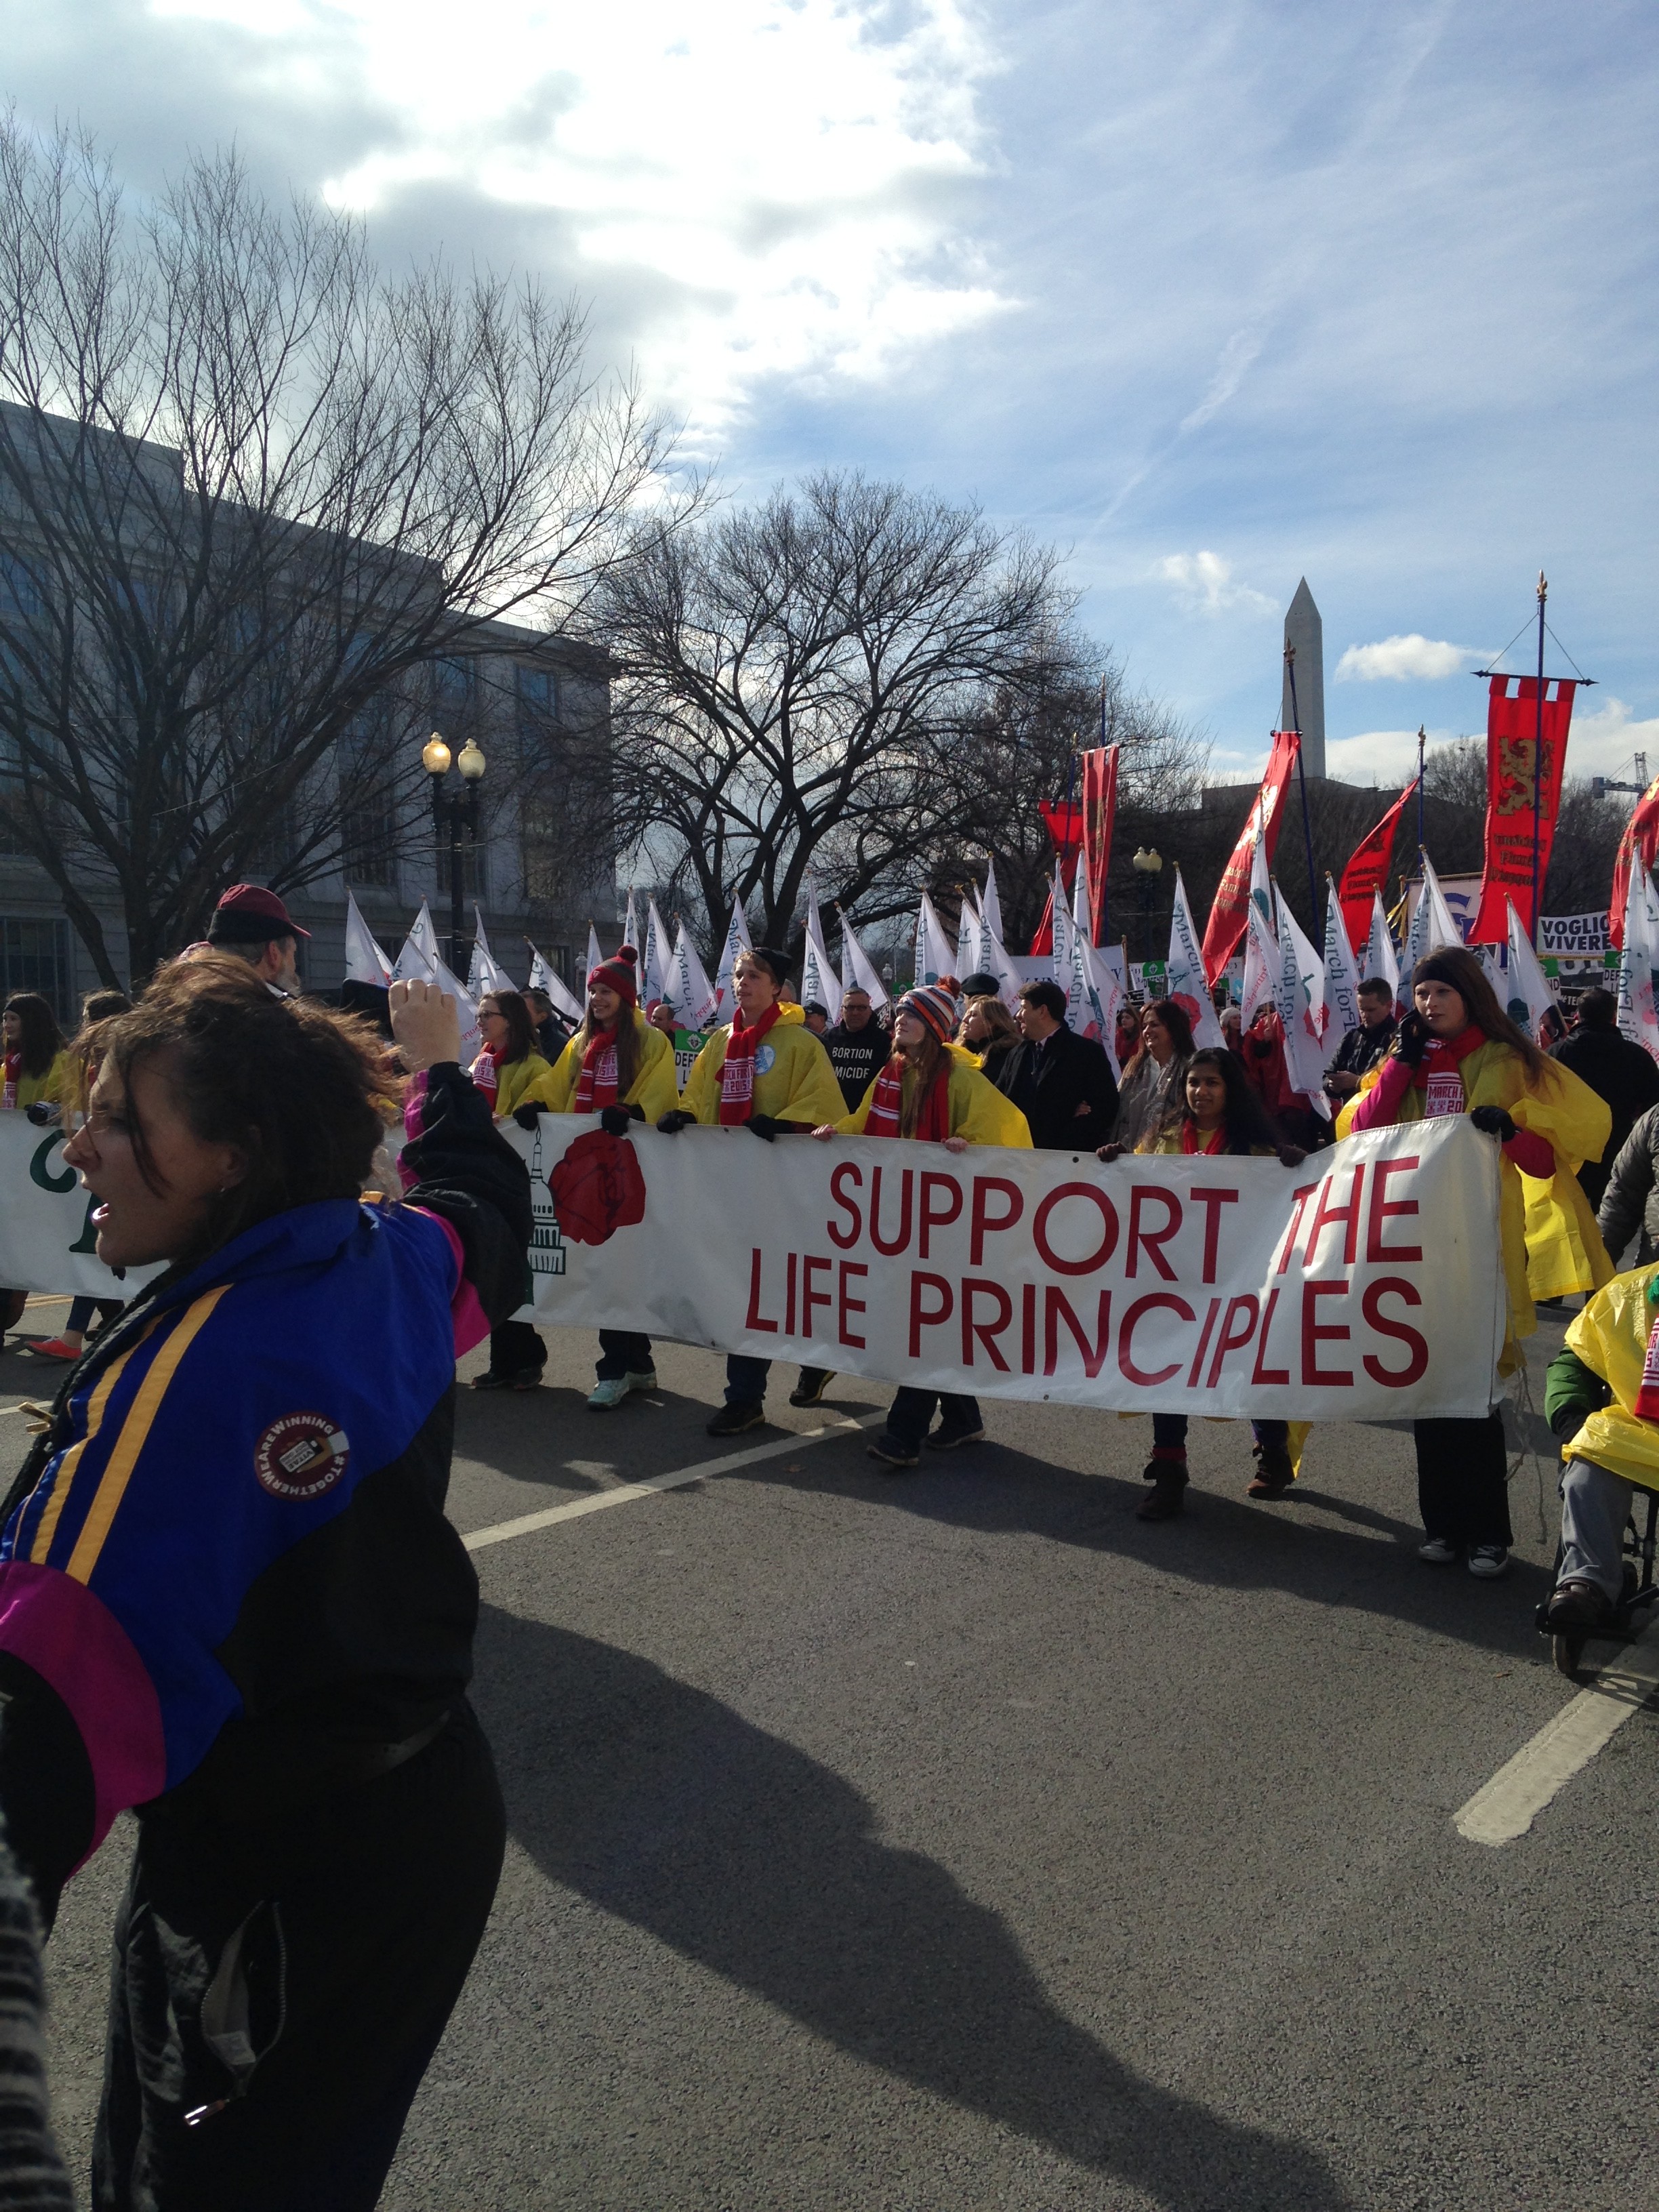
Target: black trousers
{"type": "Point", "coordinates": [1461, 1491]}
{"type": "Point", "coordinates": [912, 1411]}
{"type": "Point", "coordinates": [333, 1941]}
{"type": "Point", "coordinates": [514, 1348]}
{"type": "Point", "coordinates": [623, 1351]}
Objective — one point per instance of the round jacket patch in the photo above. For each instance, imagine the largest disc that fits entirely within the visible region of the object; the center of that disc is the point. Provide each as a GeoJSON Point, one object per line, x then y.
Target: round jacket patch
{"type": "Point", "coordinates": [301, 1456]}
{"type": "Point", "coordinates": [765, 1059]}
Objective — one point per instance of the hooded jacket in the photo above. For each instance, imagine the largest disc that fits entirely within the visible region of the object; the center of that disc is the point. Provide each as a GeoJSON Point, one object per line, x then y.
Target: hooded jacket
{"type": "Point", "coordinates": [653, 1091]}
{"type": "Point", "coordinates": [794, 1080]}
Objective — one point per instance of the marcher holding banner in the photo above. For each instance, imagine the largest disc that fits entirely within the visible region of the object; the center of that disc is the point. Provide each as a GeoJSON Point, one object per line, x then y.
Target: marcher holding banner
{"type": "Point", "coordinates": [768, 1072]}
{"type": "Point", "coordinates": [511, 1063]}
{"type": "Point", "coordinates": [932, 1091]}
{"type": "Point", "coordinates": [621, 1068]}
{"type": "Point", "coordinates": [1458, 1052]}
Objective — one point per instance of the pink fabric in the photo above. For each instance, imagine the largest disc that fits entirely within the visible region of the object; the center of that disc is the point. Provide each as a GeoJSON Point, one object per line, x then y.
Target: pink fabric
{"type": "Point", "coordinates": [1533, 1154]}
{"type": "Point", "coordinates": [73, 1641]}
{"type": "Point", "coordinates": [1376, 1110]}
{"type": "Point", "coordinates": [414, 1122]}
{"type": "Point", "coordinates": [471, 1323]}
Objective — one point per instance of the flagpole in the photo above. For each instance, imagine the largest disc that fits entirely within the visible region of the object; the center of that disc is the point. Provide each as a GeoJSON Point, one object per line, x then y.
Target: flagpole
{"type": "Point", "coordinates": [1538, 753]}
{"type": "Point", "coordinates": [1302, 780]}
{"type": "Point", "coordinates": [1422, 739]}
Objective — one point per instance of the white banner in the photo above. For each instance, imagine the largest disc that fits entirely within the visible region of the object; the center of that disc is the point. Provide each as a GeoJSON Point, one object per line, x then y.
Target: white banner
{"type": "Point", "coordinates": [1215, 1287]}
{"type": "Point", "coordinates": [1574, 936]}
{"type": "Point", "coordinates": [46, 1225]}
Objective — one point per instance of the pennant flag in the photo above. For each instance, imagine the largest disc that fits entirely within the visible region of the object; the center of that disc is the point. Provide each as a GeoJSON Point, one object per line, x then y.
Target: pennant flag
{"type": "Point", "coordinates": [485, 973]}
{"type": "Point", "coordinates": [970, 942]}
{"type": "Point", "coordinates": [1311, 966]}
{"type": "Point", "coordinates": [1065, 820]}
{"type": "Point", "coordinates": [1106, 995]}
{"type": "Point", "coordinates": [998, 963]}
{"type": "Point", "coordinates": [1301, 1011]}
{"type": "Point", "coordinates": [1525, 991]}
{"type": "Point", "coordinates": [1367, 871]}
{"type": "Point", "coordinates": [631, 926]}
{"type": "Point", "coordinates": [1068, 972]}
{"type": "Point", "coordinates": [1381, 959]}
{"type": "Point", "coordinates": [689, 993]}
{"type": "Point", "coordinates": [1518, 839]}
{"type": "Point", "coordinates": [1342, 976]}
{"type": "Point", "coordinates": [544, 977]}
{"type": "Point", "coordinates": [1081, 924]}
{"type": "Point", "coordinates": [594, 955]}
{"type": "Point", "coordinates": [1638, 955]}
{"type": "Point", "coordinates": [1261, 963]}
{"type": "Point", "coordinates": [858, 970]}
{"type": "Point", "coordinates": [1099, 816]}
{"type": "Point", "coordinates": [1042, 938]}
{"type": "Point", "coordinates": [818, 980]}
{"type": "Point", "coordinates": [654, 979]}
{"type": "Point", "coordinates": [935, 954]}
{"type": "Point", "coordinates": [1187, 981]}
{"type": "Point", "coordinates": [738, 939]}
{"type": "Point", "coordinates": [1640, 841]}
{"type": "Point", "coordinates": [1226, 923]}
{"type": "Point", "coordinates": [990, 906]}
{"type": "Point", "coordinates": [418, 956]}
{"type": "Point", "coordinates": [365, 962]}
{"type": "Point", "coordinates": [1432, 925]}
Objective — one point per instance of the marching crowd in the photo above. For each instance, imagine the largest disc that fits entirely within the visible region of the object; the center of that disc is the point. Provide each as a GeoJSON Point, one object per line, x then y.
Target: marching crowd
{"type": "Point", "coordinates": [229, 1595]}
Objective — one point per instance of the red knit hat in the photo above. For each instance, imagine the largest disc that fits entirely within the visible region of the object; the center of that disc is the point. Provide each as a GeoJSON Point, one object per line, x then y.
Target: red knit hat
{"type": "Point", "coordinates": [617, 974]}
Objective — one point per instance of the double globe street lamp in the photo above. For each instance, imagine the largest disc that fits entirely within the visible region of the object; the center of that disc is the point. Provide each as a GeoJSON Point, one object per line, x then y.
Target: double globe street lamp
{"type": "Point", "coordinates": [1147, 863]}
{"type": "Point", "coordinates": [454, 811]}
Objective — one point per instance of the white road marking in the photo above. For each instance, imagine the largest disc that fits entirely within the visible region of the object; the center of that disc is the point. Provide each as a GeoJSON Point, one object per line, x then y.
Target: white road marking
{"type": "Point", "coordinates": [626, 1492]}
{"type": "Point", "coordinates": [1509, 1804]}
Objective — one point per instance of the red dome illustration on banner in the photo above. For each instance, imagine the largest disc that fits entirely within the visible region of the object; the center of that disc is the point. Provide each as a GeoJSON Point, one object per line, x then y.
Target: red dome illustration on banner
{"type": "Point", "coordinates": [597, 1189]}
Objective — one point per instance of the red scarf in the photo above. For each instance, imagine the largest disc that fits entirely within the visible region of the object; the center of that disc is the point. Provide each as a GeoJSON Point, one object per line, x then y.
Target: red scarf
{"type": "Point", "coordinates": [487, 1073]}
{"type": "Point", "coordinates": [12, 1071]}
{"type": "Point", "coordinates": [1439, 1075]}
{"type": "Point", "coordinates": [596, 1086]}
{"type": "Point", "coordinates": [1215, 1142]}
{"type": "Point", "coordinates": [1647, 1398]}
{"type": "Point", "coordinates": [933, 1122]}
{"type": "Point", "coordinates": [737, 1071]}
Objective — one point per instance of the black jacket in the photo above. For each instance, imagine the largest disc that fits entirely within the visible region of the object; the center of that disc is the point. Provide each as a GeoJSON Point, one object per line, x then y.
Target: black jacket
{"type": "Point", "coordinates": [1623, 1074]}
{"type": "Point", "coordinates": [855, 1055]}
{"type": "Point", "coordinates": [1048, 1083]}
{"type": "Point", "coordinates": [1630, 1200]}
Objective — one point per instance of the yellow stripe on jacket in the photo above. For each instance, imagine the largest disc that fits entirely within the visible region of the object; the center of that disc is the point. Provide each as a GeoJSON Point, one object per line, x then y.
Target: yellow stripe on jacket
{"type": "Point", "coordinates": [63, 1479]}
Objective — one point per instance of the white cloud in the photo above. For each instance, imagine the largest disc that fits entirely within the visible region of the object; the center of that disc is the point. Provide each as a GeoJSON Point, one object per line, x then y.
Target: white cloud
{"type": "Point", "coordinates": [784, 175]}
{"type": "Point", "coordinates": [1387, 759]}
{"type": "Point", "coordinates": [1397, 659]}
{"type": "Point", "coordinates": [1607, 741]}
{"type": "Point", "coordinates": [1205, 580]}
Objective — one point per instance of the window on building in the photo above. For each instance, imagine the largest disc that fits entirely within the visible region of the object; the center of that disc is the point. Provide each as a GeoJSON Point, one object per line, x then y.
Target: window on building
{"type": "Point", "coordinates": [538, 717]}
{"type": "Point", "coordinates": [544, 851]}
{"type": "Point", "coordinates": [34, 956]}
{"type": "Point", "coordinates": [368, 818]}
{"type": "Point", "coordinates": [454, 686]}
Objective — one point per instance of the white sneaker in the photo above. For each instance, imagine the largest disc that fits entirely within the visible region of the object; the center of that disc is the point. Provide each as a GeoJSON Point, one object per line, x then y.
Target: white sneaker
{"type": "Point", "coordinates": [1438, 1551]}
{"type": "Point", "coordinates": [1488, 1561]}
{"type": "Point", "coordinates": [609, 1393]}
{"type": "Point", "coordinates": [645, 1380]}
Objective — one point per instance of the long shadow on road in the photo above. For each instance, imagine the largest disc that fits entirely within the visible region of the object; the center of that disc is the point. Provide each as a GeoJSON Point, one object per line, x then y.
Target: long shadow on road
{"type": "Point", "coordinates": [664, 1807]}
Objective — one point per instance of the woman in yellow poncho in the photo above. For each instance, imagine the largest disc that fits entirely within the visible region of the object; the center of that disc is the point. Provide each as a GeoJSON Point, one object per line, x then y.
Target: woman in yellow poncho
{"type": "Point", "coordinates": [1602, 1399]}
{"type": "Point", "coordinates": [1458, 1052]}
{"type": "Point", "coordinates": [929, 1090]}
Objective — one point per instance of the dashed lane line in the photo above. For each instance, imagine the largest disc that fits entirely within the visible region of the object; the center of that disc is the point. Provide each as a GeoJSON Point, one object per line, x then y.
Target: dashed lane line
{"type": "Point", "coordinates": [1507, 1806]}
{"type": "Point", "coordinates": [502, 1532]}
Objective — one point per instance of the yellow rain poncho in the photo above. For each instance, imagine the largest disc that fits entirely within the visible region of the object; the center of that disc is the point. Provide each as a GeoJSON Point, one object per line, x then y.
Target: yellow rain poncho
{"type": "Point", "coordinates": [794, 1080]}
{"type": "Point", "coordinates": [979, 1111]}
{"type": "Point", "coordinates": [1551, 1243]}
{"type": "Point", "coordinates": [652, 1089]}
{"type": "Point", "coordinates": [1611, 1337]}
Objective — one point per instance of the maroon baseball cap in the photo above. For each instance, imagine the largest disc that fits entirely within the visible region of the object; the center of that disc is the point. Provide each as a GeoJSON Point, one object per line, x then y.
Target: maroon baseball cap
{"type": "Point", "coordinates": [249, 914]}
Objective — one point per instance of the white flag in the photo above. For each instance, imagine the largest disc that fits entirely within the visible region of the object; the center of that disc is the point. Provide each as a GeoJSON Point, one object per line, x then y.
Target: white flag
{"type": "Point", "coordinates": [1342, 972]}
{"type": "Point", "coordinates": [1106, 997]}
{"type": "Point", "coordinates": [417, 958]}
{"type": "Point", "coordinates": [544, 977]}
{"type": "Point", "coordinates": [1261, 963]}
{"type": "Point", "coordinates": [935, 954]}
{"type": "Point", "coordinates": [1638, 1019]}
{"type": "Point", "coordinates": [631, 926]}
{"type": "Point", "coordinates": [990, 907]}
{"type": "Point", "coordinates": [818, 980]}
{"type": "Point", "coordinates": [1432, 924]}
{"type": "Point", "coordinates": [1526, 990]}
{"type": "Point", "coordinates": [690, 993]}
{"type": "Point", "coordinates": [1185, 979]}
{"type": "Point", "coordinates": [1382, 962]}
{"type": "Point", "coordinates": [738, 940]}
{"type": "Point", "coordinates": [1069, 971]}
{"type": "Point", "coordinates": [858, 970]}
{"type": "Point", "coordinates": [1295, 1003]}
{"type": "Point", "coordinates": [1080, 920]}
{"type": "Point", "coordinates": [654, 982]}
{"type": "Point", "coordinates": [485, 973]}
{"type": "Point", "coordinates": [594, 955]}
{"type": "Point", "coordinates": [970, 941]}
{"type": "Point", "coordinates": [998, 963]}
{"type": "Point", "coordinates": [365, 962]}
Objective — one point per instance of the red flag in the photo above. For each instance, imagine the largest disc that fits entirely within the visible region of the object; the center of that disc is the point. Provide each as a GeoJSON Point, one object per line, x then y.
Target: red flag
{"type": "Point", "coordinates": [1368, 869]}
{"type": "Point", "coordinates": [1064, 820]}
{"type": "Point", "coordinates": [1512, 775]}
{"type": "Point", "coordinates": [1099, 813]}
{"type": "Point", "coordinates": [1044, 939]}
{"type": "Point", "coordinates": [1226, 924]}
{"type": "Point", "coordinates": [1641, 837]}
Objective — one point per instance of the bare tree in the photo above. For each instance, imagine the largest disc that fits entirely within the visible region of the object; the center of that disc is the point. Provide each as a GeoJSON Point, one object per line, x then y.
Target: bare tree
{"type": "Point", "coordinates": [252, 491]}
{"type": "Point", "coordinates": [804, 684]}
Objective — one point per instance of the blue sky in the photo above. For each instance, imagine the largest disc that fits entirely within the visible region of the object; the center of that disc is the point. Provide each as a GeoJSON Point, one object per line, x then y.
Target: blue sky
{"type": "Point", "coordinates": [1213, 296]}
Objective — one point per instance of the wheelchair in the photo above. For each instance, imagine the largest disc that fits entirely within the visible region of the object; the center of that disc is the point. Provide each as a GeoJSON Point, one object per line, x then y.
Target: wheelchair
{"type": "Point", "coordinates": [1639, 1592]}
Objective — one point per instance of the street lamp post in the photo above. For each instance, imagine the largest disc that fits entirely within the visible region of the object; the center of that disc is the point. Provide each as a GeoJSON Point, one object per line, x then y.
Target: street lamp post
{"type": "Point", "coordinates": [1147, 863]}
{"type": "Point", "coordinates": [453, 811]}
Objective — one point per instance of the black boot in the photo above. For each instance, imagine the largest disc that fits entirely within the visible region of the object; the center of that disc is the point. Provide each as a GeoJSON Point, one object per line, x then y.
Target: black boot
{"type": "Point", "coordinates": [1167, 1498]}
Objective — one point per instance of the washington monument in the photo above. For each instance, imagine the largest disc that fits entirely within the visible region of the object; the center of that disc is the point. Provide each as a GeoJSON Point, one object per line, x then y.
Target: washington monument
{"type": "Point", "coordinates": [1304, 630]}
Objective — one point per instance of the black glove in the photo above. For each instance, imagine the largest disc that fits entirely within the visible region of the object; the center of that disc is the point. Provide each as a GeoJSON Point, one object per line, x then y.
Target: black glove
{"type": "Point", "coordinates": [616, 1120]}
{"type": "Point", "coordinates": [40, 1113]}
{"type": "Point", "coordinates": [672, 1124]}
{"type": "Point", "coordinates": [1493, 1121]}
{"type": "Point", "coordinates": [528, 1116]}
{"type": "Point", "coordinates": [764, 1126]}
{"type": "Point", "coordinates": [1412, 1039]}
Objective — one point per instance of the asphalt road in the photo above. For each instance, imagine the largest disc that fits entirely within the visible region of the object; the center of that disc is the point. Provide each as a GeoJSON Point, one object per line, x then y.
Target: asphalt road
{"type": "Point", "coordinates": [954, 1841]}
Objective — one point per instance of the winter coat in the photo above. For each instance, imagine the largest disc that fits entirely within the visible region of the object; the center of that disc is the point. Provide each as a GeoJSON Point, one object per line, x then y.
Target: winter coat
{"type": "Point", "coordinates": [515, 1080]}
{"type": "Point", "coordinates": [52, 1087]}
{"type": "Point", "coordinates": [1630, 1200]}
{"type": "Point", "coordinates": [1148, 1097]}
{"type": "Point", "coordinates": [979, 1111]}
{"type": "Point", "coordinates": [857, 1056]}
{"type": "Point", "coordinates": [794, 1080]}
{"type": "Point", "coordinates": [1049, 1082]}
{"type": "Point", "coordinates": [653, 1090]}
{"type": "Point", "coordinates": [1610, 1337]}
{"type": "Point", "coordinates": [1623, 1074]}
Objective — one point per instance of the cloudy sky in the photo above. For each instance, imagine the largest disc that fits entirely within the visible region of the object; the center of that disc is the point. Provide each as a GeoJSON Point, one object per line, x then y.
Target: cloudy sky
{"type": "Point", "coordinates": [1212, 295]}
